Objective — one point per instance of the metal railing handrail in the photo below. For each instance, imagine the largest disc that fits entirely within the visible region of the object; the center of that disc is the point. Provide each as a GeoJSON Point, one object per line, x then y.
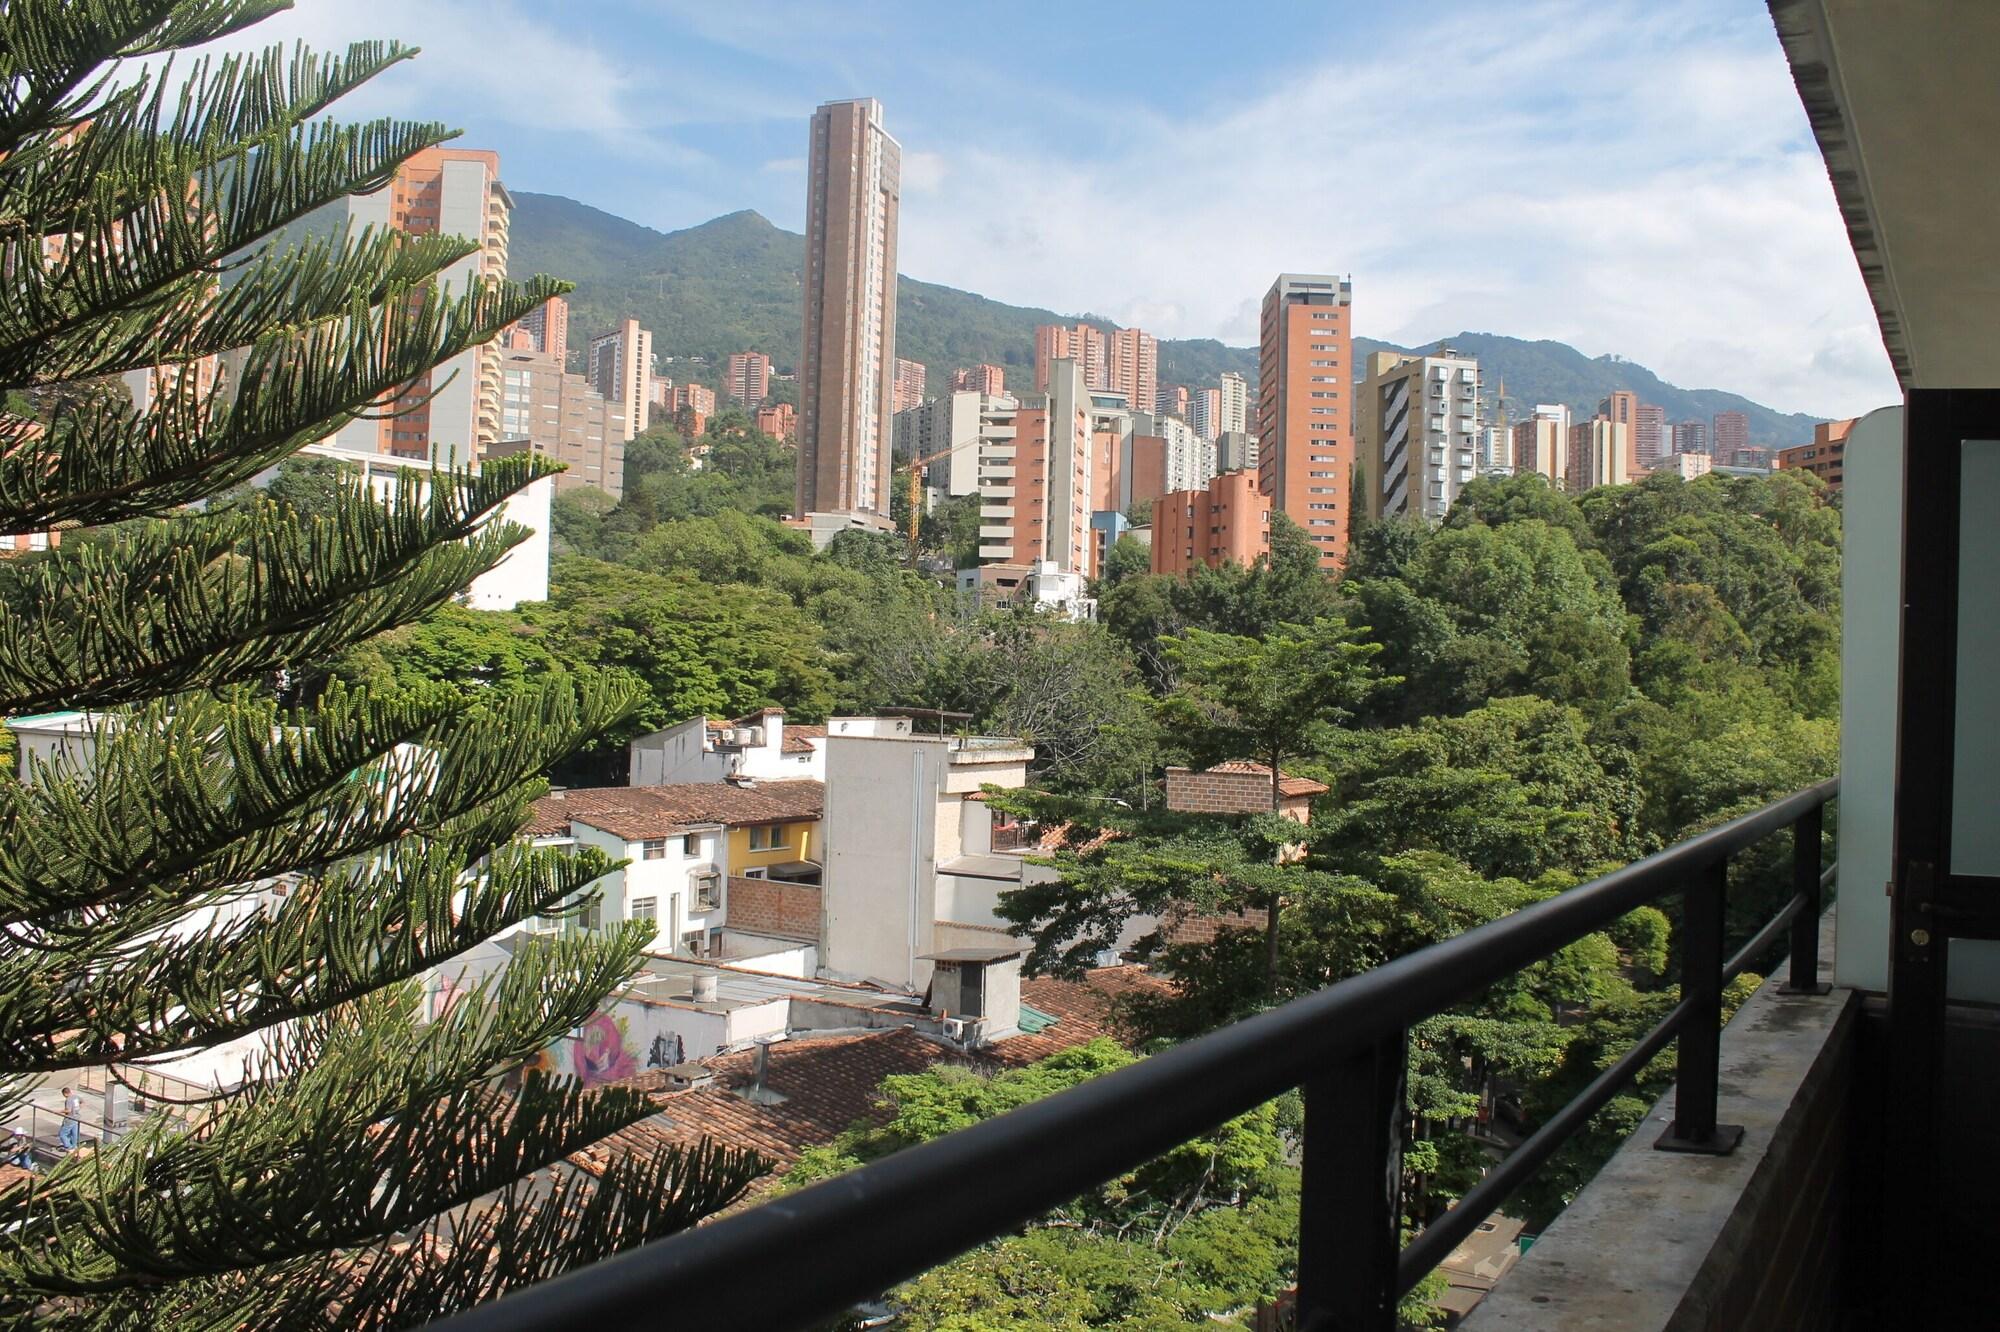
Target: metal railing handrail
{"type": "Point", "coordinates": [806, 1256]}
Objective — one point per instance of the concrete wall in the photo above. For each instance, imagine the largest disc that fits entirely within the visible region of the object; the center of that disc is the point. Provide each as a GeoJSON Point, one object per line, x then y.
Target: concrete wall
{"type": "Point", "coordinates": [1871, 632]}
{"type": "Point", "coordinates": [1755, 1239]}
{"type": "Point", "coordinates": [880, 856]}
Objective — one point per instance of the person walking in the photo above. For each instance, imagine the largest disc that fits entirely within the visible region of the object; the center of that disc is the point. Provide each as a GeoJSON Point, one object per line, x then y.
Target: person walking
{"type": "Point", "coordinates": [72, 1124]}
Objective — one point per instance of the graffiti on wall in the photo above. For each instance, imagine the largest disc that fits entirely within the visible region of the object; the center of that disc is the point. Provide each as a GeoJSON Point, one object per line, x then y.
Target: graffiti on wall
{"type": "Point", "coordinates": [602, 1054]}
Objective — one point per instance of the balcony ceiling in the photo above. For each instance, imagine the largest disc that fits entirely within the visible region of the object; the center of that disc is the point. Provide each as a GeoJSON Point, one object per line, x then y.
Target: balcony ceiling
{"type": "Point", "coordinates": [1904, 101]}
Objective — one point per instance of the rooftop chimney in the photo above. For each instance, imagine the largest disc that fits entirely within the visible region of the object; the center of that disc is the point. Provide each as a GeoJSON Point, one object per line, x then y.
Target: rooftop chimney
{"type": "Point", "coordinates": [704, 987]}
{"type": "Point", "coordinates": [759, 1090]}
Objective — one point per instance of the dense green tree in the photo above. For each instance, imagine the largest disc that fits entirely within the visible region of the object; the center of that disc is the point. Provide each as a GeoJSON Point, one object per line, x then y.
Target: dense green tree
{"type": "Point", "coordinates": [334, 1187]}
{"type": "Point", "coordinates": [1270, 700]}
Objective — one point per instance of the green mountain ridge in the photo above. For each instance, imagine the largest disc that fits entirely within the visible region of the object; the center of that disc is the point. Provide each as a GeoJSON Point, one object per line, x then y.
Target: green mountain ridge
{"type": "Point", "coordinates": [732, 283]}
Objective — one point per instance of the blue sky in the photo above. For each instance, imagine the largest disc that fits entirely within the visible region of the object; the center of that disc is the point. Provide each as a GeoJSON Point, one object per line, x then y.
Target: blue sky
{"type": "Point", "coordinates": [1629, 177]}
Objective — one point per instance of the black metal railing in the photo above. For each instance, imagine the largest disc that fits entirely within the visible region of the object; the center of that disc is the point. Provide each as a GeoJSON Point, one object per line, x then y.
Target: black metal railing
{"type": "Point", "coordinates": [804, 1257]}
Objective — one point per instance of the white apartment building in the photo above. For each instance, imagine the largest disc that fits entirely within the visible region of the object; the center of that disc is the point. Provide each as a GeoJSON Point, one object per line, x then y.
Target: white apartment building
{"type": "Point", "coordinates": [1235, 417]}
{"type": "Point", "coordinates": [1035, 476]}
{"type": "Point", "coordinates": [1496, 451]}
{"type": "Point", "coordinates": [955, 425]}
{"type": "Point", "coordinates": [1417, 431]}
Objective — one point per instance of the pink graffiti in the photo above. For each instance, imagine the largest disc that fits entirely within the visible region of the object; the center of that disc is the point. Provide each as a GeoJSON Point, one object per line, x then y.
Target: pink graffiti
{"type": "Point", "coordinates": [601, 1055]}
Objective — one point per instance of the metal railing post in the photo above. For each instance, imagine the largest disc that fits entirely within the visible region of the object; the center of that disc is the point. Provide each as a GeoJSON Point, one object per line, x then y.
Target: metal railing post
{"type": "Point", "coordinates": [1698, 1048]}
{"type": "Point", "coordinates": [1804, 977]}
{"type": "Point", "coordinates": [1350, 1201]}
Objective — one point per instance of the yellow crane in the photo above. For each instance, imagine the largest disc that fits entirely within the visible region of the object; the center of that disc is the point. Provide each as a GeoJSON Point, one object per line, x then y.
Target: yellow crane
{"type": "Point", "coordinates": [916, 492]}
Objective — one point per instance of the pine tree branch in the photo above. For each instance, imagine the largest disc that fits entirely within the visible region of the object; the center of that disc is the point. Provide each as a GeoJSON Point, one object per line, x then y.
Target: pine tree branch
{"type": "Point", "coordinates": [219, 598]}
{"type": "Point", "coordinates": [331, 941]}
{"type": "Point", "coordinates": [187, 799]}
{"type": "Point", "coordinates": [97, 461]}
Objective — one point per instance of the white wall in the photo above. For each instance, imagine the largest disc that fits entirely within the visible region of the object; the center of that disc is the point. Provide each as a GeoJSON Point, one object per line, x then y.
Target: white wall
{"type": "Point", "coordinates": [1871, 630]}
{"type": "Point", "coordinates": [880, 856]}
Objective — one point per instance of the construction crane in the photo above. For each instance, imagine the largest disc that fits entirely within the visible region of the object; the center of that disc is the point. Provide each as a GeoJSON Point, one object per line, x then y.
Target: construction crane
{"type": "Point", "coordinates": [916, 493]}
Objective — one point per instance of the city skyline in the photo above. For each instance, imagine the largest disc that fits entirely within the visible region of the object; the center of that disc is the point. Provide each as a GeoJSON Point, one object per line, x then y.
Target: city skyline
{"type": "Point", "coordinates": [1616, 172]}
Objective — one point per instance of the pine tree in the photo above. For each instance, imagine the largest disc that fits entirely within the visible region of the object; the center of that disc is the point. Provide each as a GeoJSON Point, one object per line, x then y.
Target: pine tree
{"type": "Point", "coordinates": [372, 1171]}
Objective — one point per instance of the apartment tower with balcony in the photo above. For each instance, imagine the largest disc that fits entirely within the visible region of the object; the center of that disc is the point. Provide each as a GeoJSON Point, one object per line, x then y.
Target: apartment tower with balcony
{"type": "Point", "coordinates": [1305, 368]}
{"type": "Point", "coordinates": [848, 362]}
{"type": "Point", "coordinates": [1417, 430]}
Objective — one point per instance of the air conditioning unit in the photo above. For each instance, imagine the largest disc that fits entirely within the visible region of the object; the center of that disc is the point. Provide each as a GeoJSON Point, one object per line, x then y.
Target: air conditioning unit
{"type": "Point", "coordinates": [954, 1029]}
{"type": "Point", "coordinates": [752, 736]}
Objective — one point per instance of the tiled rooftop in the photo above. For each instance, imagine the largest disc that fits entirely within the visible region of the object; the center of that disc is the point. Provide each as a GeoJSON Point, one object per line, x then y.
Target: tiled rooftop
{"type": "Point", "coordinates": [1287, 784]}
{"type": "Point", "coordinates": [638, 812]}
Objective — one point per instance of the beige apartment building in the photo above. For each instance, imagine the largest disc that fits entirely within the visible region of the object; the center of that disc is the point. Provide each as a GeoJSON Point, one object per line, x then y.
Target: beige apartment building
{"type": "Point", "coordinates": [560, 417]}
{"type": "Point", "coordinates": [548, 325]}
{"type": "Point", "coordinates": [848, 363]}
{"type": "Point", "coordinates": [1234, 417]}
{"type": "Point", "coordinates": [620, 367]}
{"type": "Point", "coordinates": [1541, 443]}
{"type": "Point", "coordinates": [1417, 427]}
{"type": "Point", "coordinates": [453, 413]}
{"type": "Point", "coordinates": [1304, 374]}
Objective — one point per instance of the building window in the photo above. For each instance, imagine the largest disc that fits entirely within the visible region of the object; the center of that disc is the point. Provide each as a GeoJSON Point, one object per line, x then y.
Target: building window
{"type": "Point", "coordinates": [691, 844]}
{"type": "Point", "coordinates": [707, 885]}
{"type": "Point", "coordinates": [653, 848]}
{"type": "Point", "coordinates": [768, 838]}
{"type": "Point", "coordinates": [646, 909]}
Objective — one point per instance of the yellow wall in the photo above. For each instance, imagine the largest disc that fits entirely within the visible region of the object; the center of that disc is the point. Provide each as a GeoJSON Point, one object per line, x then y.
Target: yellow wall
{"type": "Point", "coordinates": [799, 838]}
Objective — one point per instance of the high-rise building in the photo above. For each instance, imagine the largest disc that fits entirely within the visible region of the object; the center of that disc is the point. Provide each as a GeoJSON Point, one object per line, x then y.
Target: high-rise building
{"type": "Point", "coordinates": [1171, 400]}
{"type": "Point", "coordinates": [560, 416]}
{"type": "Point", "coordinates": [1622, 408]}
{"type": "Point", "coordinates": [1417, 424]}
{"type": "Point", "coordinates": [1496, 451]}
{"type": "Point", "coordinates": [1036, 486]}
{"type": "Point", "coordinates": [1600, 452]}
{"type": "Point", "coordinates": [1186, 461]}
{"type": "Point", "coordinates": [1731, 433]}
{"type": "Point", "coordinates": [1304, 368]}
{"type": "Point", "coordinates": [1083, 343]}
{"type": "Point", "coordinates": [1541, 443]}
{"type": "Point", "coordinates": [1235, 450]}
{"type": "Point", "coordinates": [982, 378]}
{"type": "Point", "coordinates": [1235, 411]}
{"type": "Point", "coordinates": [1686, 466]}
{"type": "Point", "coordinates": [1691, 437]}
{"type": "Point", "coordinates": [1135, 368]}
{"type": "Point", "coordinates": [1204, 412]}
{"type": "Point", "coordinates": [619, 365]}
{"type": "Point", "coordinates": [846, 371]}
{"type": "Point", "coordinates": [548, 325]}
{"type": "Point", "coordinates": [694, 397]}
{"type": "Point", "coordinates": [452, 413]}
{"type": "Point", "coordinates": [748, 378]}
{"type": "Point", "coordinates": [1651, 440]}
{"type": "Point", "coordinates": [957, 430]}
{"type": "Point", "coordinates": [1226, 522]}
{"type": "Point", "coordinates": [908, 390]}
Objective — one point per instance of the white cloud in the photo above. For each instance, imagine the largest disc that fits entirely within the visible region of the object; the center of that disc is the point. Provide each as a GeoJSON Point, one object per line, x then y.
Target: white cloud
{"type": "Point", "coordinates": [1638, 186]}
{"type": "Point", "coordinates": [924, 173]}
{"type": "Point", "coordinates": [791, 166]}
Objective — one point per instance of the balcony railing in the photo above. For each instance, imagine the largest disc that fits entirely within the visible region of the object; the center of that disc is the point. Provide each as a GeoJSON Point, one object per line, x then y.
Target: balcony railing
{"type": "Point", "coordinates": [805, 1257]}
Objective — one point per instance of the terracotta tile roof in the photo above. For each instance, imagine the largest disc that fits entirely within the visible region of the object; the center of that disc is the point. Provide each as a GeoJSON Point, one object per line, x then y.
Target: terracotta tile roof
{"type": "Point", "coordinates": [638, 812]}
{"type": "Point", "coordinates": [1083, 1010]}
{"type": "Point", "coordinates": [831, 1083]}
{"type": "Point", "coordinates": [797, 738]}
{"type": "Point", "coordinates": [1070, 837]}
{"type": "Point", "coordinates": [1291, 786]}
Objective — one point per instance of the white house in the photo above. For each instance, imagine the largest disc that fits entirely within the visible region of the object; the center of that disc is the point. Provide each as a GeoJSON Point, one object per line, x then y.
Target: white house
{"type": "Point", "coordinates": [762, 746]}
{"type": "Point", "coordinates": [683, 843]}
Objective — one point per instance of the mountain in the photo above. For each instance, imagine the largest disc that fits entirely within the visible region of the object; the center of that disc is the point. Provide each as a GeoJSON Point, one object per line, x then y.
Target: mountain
{"type": "Point", "coordinates": [733, 283]}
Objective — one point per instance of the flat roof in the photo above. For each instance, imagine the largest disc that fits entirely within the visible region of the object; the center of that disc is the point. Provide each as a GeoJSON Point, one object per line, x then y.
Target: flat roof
{"type": "Point", "coordinates": [989, 953]}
